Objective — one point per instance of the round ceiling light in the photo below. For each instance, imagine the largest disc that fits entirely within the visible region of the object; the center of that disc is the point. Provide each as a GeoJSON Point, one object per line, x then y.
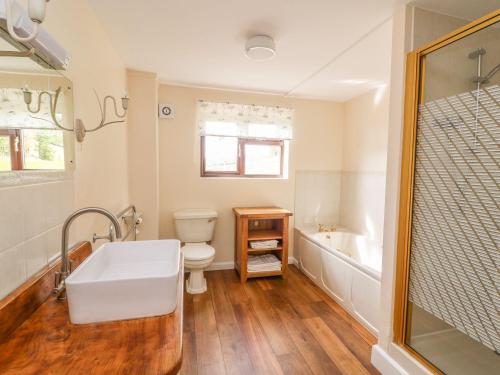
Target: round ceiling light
{"type": "Point", "coordinates": [260, 48]}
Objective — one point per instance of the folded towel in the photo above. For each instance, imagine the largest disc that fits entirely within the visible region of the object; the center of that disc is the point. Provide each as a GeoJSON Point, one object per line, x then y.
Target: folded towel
{"type": "Point", "coordinates": [269, 244]}
{"type": "Point", "coordinates": [263, 263]}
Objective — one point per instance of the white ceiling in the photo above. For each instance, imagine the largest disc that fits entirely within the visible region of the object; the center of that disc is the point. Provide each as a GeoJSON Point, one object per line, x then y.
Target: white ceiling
{"type": "Point", "coordinates": [201, 43]}
{"type": "Point", "coordinates": [326, 49]}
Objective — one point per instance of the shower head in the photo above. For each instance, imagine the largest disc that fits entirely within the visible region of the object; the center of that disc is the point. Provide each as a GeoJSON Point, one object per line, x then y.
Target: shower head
{"type": "Point", "coordinates": [476, 53]}
{"type": "Point", "coordinates": [479, 78]}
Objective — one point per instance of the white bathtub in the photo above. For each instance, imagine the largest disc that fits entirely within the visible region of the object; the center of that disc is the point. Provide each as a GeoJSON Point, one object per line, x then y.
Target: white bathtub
{"type": "Point", "coordinates": [346, 266]}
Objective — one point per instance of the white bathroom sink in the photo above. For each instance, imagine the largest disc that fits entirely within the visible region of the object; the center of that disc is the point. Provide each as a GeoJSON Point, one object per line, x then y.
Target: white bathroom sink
{"type": "Point", "coordinates": [125, 280]}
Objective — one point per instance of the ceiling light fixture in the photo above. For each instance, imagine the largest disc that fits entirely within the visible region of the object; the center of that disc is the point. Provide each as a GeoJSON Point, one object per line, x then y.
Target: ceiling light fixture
{"type": "Point", "coordinates": [260, 48]}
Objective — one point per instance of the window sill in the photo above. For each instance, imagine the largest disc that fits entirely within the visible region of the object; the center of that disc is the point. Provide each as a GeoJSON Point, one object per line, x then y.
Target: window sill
{"type": "Point", "coordinates": [242, 178]}
{"type": "Point", "coordinates": [27, 177]}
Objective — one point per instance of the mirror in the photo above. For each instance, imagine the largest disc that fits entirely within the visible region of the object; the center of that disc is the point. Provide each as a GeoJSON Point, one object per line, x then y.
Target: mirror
{"type": "Point", "coordinates": [33, 96]}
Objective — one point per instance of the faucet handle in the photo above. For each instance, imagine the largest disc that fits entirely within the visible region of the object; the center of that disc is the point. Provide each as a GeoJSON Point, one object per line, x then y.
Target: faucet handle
{"type": "Point", "coordinates": [110, 236]}
{"type": "Point", "coordinates": [59, 284]}
{"type": "Point", "coordinates": [57, 281]}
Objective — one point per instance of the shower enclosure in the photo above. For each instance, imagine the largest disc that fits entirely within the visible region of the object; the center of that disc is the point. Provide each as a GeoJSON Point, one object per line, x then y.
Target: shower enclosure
{"type": "Point", "coordinates": [447, 297]}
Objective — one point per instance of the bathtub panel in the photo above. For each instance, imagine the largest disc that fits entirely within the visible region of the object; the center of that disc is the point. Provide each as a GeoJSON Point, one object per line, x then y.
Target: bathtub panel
{"type": "Point", "coordinates": [365, 298]}
{"type": "Point", "coordinates": [334, 276]}
{"type": "Point", "coordinates": [341, 272]}
{"type": "Point", "coordinates": [310, 259]}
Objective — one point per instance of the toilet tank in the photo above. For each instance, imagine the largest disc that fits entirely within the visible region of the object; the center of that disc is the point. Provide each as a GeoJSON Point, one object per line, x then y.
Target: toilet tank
{"type": "Point", "coordinates": [195, 225]}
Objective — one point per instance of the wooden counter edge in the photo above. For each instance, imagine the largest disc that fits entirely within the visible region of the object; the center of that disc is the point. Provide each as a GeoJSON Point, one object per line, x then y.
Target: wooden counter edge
{"type": "Point", "coordinates": [18, 306]}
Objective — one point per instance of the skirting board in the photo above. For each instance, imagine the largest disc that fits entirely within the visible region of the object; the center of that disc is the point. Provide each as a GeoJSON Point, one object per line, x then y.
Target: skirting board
{"type": "Point", "coordinates": [385, 363]}
{"type": "Point", "coordinates": [230, 265]}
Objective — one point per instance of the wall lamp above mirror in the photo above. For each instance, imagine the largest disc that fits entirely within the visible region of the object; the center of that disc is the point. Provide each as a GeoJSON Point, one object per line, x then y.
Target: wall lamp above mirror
{"type": "Point", "coordinates": [23, 30]}
{"type": "Point", "coordinates": [17, 22]}
{"type": "Point", "coordinates": [79, 127]}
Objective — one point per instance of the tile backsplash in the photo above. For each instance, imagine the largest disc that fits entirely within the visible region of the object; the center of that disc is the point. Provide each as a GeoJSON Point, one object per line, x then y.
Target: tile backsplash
{"type": "Point", "coordinates": [31, 218]}
{"type": "Point", "coordinates": [352, 200]}
{"type": "Point", "coordinates": [317, 198]}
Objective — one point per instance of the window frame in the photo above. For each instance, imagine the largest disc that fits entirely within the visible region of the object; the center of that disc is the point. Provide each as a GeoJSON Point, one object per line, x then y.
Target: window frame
{"type": "Point", "coordinates": [16, 148]}
{"type": "Point", "coordinates": [240, 171]}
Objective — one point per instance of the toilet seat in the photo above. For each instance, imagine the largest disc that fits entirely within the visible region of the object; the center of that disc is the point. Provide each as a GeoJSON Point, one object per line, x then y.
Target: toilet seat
{"type": "Point", "coordinates": [198, 252]}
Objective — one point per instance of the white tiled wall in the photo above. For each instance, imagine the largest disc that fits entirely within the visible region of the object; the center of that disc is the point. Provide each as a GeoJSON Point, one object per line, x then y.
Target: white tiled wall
{"type": "Point", "coordinates": [362, 203]}
{"type": "Point", "coordinates": [317, 198]}
{"type": "Point", "coordinates": [352, 200]}
{"type": "Point", "coordinates": [31, 217]}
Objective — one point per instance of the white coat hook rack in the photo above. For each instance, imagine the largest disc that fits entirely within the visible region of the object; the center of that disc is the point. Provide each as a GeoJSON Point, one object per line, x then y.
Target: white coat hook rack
{"type": "Point", "coordinates": [27, 53]}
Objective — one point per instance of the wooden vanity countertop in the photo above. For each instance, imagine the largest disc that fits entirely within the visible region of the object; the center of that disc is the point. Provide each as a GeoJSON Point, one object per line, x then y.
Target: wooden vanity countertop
{"type": "Point", "coordinates": [47, 343]}
{"type": "Point", "coordinates": [256, 212]}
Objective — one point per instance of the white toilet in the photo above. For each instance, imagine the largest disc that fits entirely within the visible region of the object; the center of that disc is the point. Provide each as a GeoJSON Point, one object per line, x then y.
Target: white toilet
{"type": "Point", "coordinates": [195, 227]}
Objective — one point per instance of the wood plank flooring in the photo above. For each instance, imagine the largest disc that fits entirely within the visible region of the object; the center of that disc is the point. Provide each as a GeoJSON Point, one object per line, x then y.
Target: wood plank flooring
{"type": "Point", "coordinates": [271, 326]}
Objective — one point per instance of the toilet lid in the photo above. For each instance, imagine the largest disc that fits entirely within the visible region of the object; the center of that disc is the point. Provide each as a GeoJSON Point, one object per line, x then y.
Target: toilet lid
{"type": "Point", "coordinates": [198, 252]}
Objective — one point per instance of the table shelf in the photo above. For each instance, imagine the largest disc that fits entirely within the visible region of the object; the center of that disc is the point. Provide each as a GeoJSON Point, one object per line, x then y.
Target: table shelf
{"type": "Point", "coordinates": [264, 234]}
{"type": "Point", "coordinates": [260, 224]}
{"type": "Point", "coordinates": [264, 274]}
{"type": "Point", "coordinates": [267, 249]}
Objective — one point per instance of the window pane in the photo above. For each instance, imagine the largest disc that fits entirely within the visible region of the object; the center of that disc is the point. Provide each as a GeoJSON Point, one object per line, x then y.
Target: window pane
{"type": "Point", "coordinates": [221, 154]}
{"type": "Point", "coordinates": [262, 159]}
{"type": "Point", "coordinates": [221, 128]}
{"type": "Point", "coordinates": [269, 131]}
{"type": "Point", "coordinates": [5, 161]}
{"type": "Point", "coordinates": [43, 149]}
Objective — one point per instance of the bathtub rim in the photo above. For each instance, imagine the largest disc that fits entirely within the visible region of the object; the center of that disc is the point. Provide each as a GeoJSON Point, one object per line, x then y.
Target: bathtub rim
{"type": "Point", "coordinates": [308, 233]}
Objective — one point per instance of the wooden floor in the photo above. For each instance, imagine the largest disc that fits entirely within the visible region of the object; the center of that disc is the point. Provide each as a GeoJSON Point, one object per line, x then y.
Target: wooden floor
{"type": "Point", "coordinates": [271, 326]}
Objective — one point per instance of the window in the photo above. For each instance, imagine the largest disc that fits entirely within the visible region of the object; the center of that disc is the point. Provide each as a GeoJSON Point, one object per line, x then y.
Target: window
{"type": "Point", "coordinates": [243, 140]}
{"type": "Point", "coordinates": [27, 149]}
{"type": "Point", "coordinates": [241, 157]}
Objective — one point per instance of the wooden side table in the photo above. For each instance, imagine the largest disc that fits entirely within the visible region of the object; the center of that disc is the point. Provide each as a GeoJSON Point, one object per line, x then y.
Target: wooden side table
{"type": "Point", "coordinates": [258, 224]}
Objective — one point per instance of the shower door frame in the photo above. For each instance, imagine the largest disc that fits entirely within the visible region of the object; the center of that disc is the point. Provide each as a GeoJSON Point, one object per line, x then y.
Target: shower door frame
{"type": "Point", "coordinates": [414, 89]}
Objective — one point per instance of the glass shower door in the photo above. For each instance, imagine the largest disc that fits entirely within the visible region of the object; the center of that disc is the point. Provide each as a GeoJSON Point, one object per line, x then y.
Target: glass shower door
{"type": "Point", "coordinates": [452, 294]}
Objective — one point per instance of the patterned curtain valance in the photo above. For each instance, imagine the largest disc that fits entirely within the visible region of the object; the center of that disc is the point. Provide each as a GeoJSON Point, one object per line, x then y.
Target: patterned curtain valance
{"type": "Point", "coordinates": [14, 113]}
{"type": "Point", "coordinates": [245, 120]}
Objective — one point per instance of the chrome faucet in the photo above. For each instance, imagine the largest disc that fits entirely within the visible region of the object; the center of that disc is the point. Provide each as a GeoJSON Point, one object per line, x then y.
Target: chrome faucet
{"type": "Point", "coordinates": [60, 285]}
{"type": "Point", "coordinates": [326, 228]}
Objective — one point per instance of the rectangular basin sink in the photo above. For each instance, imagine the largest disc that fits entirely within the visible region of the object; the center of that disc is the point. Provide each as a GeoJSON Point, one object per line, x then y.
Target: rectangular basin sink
{"type": "Point", "coordinates": [125, 280]}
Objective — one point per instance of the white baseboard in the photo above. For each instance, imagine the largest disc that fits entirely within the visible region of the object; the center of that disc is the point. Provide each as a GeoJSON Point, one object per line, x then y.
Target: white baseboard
{"type": "Point", "coordinates": [221, 266]}
{"type": "Point", "coordinates": [385, 363]}
{"type": "Point", "coordinates": [230, 265]}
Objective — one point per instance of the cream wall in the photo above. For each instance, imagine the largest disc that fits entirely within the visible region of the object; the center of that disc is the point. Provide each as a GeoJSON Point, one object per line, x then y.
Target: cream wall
{"type": "Point", "coordinates": [34, 209]}
{"type": "Point", "coordinates": [316, 146]}
{"type": "Point", "coordinates": [364, 163]}
{"type": "Point", "coordinates": [143, 151]}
